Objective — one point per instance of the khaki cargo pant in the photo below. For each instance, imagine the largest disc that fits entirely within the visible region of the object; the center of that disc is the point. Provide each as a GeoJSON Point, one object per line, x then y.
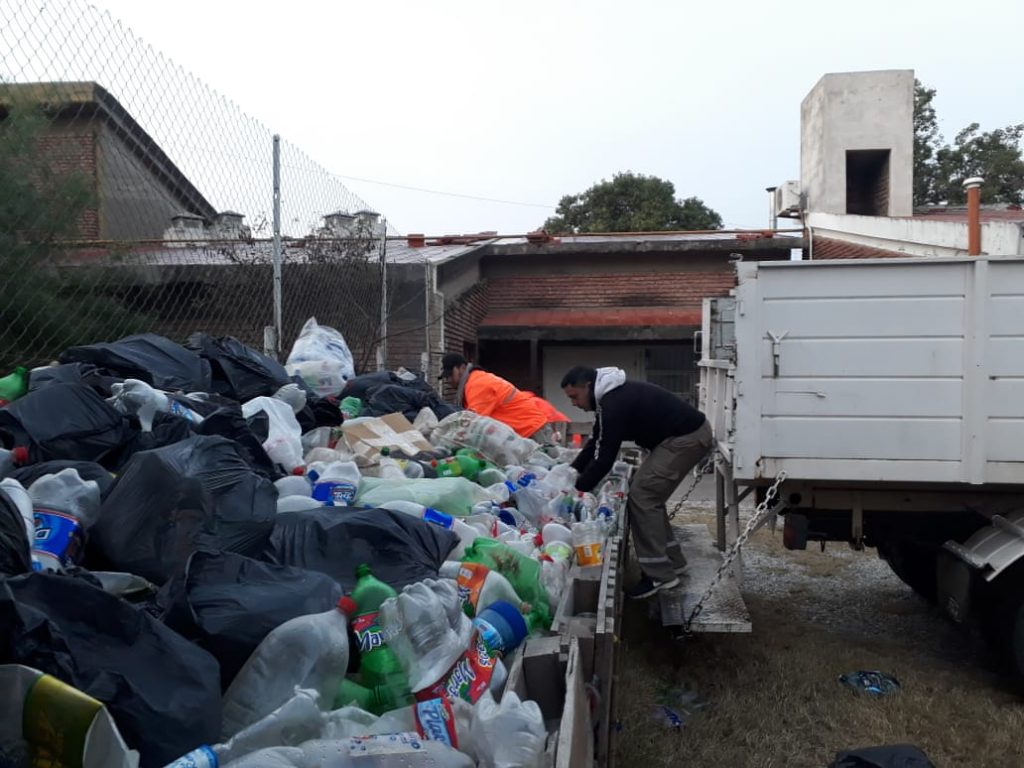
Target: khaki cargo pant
{"type": "Point", "coordinates": [657, 550]}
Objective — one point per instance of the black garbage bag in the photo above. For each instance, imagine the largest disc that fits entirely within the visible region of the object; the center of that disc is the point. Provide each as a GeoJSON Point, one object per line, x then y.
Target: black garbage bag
{"type": "Point", "coordinates": [161, 689]}
{"type": "Point", "coordinates": [361, 386]}
{"type": "Point", "coordinates": [227, 421]}
{"type": "Point", "coordinates": [168, 429]}
{"type": "Point", "coordinates": [15, 553]}
{"type": "Point", "coordinates": [319, 412]}
{"type": "Point", "coordinates": [238, 371]}
{"type": "Point", "coordinates": [150, 358]}
{"type": "Point", "coordinates": [396, 398]}
{"type": "Point", "coordinates": [893, 756]}
{"type": "Point", "coordinates": [171, 501]}
{"type": "Point", "coordinates": [399, 548]}
{"type": "Point", "coordinates": [87, 470]}
{"type": "Point", "coordinates": [228, 603]}
{"type": "Point", "coordinates": [64, 421]}
{"type": "Point", "coordinates": [73, 373]}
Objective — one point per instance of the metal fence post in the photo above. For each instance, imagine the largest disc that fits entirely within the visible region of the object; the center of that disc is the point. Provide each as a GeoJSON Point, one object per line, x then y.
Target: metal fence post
{"type": "Point", "coordinates": [278, 331]}
{"type": "Point", "coordinates": [382, 347]}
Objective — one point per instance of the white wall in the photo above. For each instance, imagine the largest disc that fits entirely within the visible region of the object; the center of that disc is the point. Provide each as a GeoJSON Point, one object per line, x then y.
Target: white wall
{"type": "Point", "coordinates": [851, 111]}
{"type": "Point", "coordinates": [559, 359]}
{"type": "Point", "coordinates": [918, 237]}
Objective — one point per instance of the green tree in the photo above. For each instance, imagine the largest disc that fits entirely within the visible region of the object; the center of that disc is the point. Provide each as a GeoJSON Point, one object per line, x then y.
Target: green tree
{"type": "Point", "coordinates": [994, 155]}
{"type": "Point", "coordinates": [940, 170]}
{"type": "Point", "coordinates": [631, 203]}
{"type": "Point", "coordinates": [927, 142]}
{"type": "Point", "coordinates": [47, 304]}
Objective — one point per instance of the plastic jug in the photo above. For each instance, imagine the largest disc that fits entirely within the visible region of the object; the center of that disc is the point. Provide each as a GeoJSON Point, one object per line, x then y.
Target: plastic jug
{"type": "Point", "coordinates": [556, 532]}
{"type": "Point", "coordinates": [307, 651]}
{"type": "Point", "coordinates": [479, 586]}
{"type": "Point", "coordinates": [63, 507]}
{"type": "Point", "coordinates": [293, 485]}
{"type": "Point", "coordinates": [335, 484]}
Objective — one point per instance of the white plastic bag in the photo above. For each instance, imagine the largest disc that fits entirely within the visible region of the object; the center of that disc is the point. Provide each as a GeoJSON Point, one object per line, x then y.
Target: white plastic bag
{"type": "Point", "coordinates": [284, 438]}
{"type": "Point", "coordinates": [321, 358]}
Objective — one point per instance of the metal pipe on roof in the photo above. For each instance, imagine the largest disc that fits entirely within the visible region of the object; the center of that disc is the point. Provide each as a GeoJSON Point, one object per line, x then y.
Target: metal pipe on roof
{"type": "Point", "coordinates": [973, 187]}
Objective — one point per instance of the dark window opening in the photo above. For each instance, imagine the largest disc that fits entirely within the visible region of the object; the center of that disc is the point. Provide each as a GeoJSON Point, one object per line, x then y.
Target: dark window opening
{"type": "Point", "coordinates": [867, 182]}
{"type": "Point", "coordinates": [674, 368]}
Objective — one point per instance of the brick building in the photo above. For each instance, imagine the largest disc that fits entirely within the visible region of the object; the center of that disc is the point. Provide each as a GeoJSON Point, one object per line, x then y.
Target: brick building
{"type": "Point", "coordinates": [530, 310]}
{"type": "Point", "coordinates": [137, 189]}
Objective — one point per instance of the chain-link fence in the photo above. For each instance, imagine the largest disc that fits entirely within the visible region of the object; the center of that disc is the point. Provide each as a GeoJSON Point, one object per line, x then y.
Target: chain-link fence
{"type": "Point", "coordinates": [134, 198]}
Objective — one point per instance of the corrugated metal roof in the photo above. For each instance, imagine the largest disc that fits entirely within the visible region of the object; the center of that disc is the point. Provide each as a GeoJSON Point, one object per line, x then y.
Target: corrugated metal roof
{"type": "Point", "coordinates": [675, 237]}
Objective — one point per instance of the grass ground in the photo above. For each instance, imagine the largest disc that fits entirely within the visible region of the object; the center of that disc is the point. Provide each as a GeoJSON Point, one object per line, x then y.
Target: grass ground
{"type": "Point", "coordinates": [774, 699]}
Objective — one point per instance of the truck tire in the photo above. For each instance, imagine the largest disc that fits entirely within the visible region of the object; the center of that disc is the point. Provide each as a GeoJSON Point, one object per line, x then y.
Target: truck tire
{"type": "Point", "coordinates": [914, 563]}
{"type": "Point", "coordinates": [1002, 619]}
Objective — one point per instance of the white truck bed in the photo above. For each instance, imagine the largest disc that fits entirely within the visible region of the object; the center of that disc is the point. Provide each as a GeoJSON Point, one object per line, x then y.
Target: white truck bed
{"type": "Point", "coordinates": [901, 370]}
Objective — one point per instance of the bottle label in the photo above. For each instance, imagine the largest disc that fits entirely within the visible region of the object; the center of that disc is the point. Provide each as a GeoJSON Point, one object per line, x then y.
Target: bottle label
{"type": "Point", "coordinates": [435, 721]}
{"type": "Point", "coordinates": [368, 632]}
{"type": "Point", "coordinates": [204, 757]}
{"type": "Point", "coordinates": [335, 494]}
{"type": "Point", "coordinates": [178, 409]}
{"type": "Point", "coordinates": [470, 676]}
{"type": "Point", "coordinates": [58, 536]}
{"type": "Point", "coordinates": [490, 636]}
{"type": "Point", "coordinates": [588, 554]}
{"type": "Point", "coordinates": [389, 744]}
{"type": "Point", "coordinates": [470, 582]}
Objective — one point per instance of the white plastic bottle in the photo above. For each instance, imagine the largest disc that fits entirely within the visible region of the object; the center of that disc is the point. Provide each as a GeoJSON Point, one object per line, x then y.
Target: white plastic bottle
{"type": "Point", "coordinates": [427, 629]}
{"type": "Point", "coordinates": [307, 651]}
{"type": "Point", "coordinates": [64, 506]}
{"type": "Point", "coordinates": [480, 587]}
{"type": "Point", "coordinates": [335, 484]}
{"type": "Point", "coordinates": [556, 532]}
{"type": "Point", "coordinates": [509, 733]}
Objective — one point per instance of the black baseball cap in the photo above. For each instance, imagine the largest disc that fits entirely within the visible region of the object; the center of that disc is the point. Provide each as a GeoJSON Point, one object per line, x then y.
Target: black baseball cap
{"type": "Point", "coordinates": [449, 362]}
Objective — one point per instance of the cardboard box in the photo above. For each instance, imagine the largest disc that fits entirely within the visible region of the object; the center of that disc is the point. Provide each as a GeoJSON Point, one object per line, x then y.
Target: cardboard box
{"type": "Point", "coordinates": [366, 436]}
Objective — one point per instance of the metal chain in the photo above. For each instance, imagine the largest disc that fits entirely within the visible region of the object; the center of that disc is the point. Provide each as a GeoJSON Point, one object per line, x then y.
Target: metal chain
{"type": "Point", "coordinates": [698, 474]}
{"type": "Point", "coordinates": [763, 511]}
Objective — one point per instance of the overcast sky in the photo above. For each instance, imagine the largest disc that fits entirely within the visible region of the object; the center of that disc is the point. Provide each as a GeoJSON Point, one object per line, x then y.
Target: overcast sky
{"type": "Point", "coordinates": [527, 101]}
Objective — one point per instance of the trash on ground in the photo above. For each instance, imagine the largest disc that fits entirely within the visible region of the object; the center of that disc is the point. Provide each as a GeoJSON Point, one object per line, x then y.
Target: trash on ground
{"type": "Point", "coordinates": [873, 683]}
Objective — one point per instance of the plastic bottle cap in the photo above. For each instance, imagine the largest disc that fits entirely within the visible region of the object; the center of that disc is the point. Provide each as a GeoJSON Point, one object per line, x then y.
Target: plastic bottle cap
{"type": "Point", "coordinates": [20, 455]}
{"type": "Point", "coordinates": [347, 606]}
{"type": "Point", "coordinates": [299, 471]}
{"type": "Point", "coordinates": [363, 570]}
{"type": "Point", "coordinates": [385, 451]}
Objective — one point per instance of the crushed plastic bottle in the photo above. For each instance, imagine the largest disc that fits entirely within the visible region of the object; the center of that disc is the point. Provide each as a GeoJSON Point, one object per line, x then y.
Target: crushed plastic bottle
{"type": "Point", "coordinates": [508, 734]}
{"type": "Point", "coordinates": [427, 629]}
{"type": "Point", "coordinates": [64, 506]}
{"type": "Point", "coordinates": [308, 652]}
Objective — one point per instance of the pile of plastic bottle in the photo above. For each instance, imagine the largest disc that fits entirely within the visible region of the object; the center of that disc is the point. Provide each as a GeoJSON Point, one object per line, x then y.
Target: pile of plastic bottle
{"type": "Point", "coordinates": [429, 685]}
{"type": "Point", "coordinates": [409, 677]}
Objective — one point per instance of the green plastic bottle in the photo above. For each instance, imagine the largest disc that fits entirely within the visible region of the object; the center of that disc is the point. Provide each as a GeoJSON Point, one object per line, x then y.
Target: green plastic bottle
{"type": "Point", "coordinates": [351, 407]}
{"type": "Point", "coordinates": [13, 385]}
{"type": "Point", "coordinates": [522, 572]}
{"type": "Point", "coordinates": [459, 465]}
{"type": "Point", "coordinates": [379, 670]}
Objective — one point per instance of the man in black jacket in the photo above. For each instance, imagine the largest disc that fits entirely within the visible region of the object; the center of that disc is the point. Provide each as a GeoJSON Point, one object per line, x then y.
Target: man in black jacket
{"type": "Point", "coordinates": [677, 436]}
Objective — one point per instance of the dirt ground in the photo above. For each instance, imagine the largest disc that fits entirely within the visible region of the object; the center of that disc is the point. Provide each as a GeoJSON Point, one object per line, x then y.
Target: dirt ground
{"type": "Point", "coordinates": [772, 699]}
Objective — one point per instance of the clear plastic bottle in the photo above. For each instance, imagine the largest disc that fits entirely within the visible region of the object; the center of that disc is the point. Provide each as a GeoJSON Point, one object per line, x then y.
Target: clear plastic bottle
{"type": "Point", "coordinates": [307, 652]}
{"type": "Point", "coordinates": [64, 506]}
{"type": "Point", "coordinates": [588, 541]}
{"type": "Point", "coordinates": [140, 399]}
{"type": "Point", "coordinates": [427, 630]}
{"type": "Point", "coordinates": [511, 733]}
